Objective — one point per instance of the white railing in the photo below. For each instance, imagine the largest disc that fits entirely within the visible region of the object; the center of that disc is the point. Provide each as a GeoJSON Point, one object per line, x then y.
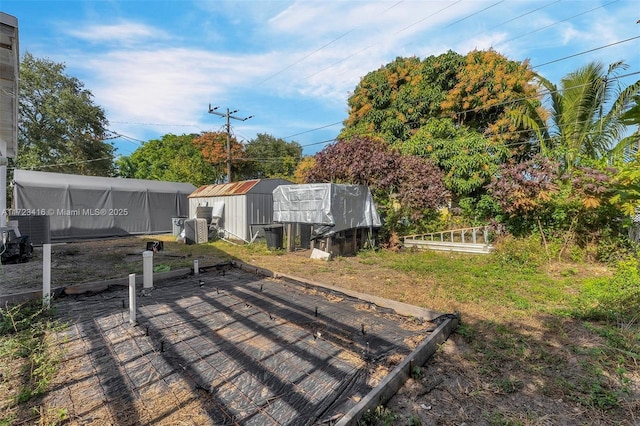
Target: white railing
{"type": "Point", "coordinates": [473, 235]}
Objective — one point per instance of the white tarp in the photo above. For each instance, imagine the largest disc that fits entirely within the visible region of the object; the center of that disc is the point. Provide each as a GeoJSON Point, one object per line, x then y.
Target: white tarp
{"type": "Point", "coordinates": [330, 207]}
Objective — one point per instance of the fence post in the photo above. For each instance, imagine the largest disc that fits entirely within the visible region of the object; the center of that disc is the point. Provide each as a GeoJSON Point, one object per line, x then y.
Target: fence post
{"type": "Point", "coordinates": [147, 269]}
{"type": "Point", "coordinates": [132, 298]}
{"type": "Point", "coordinates": [46, 275]}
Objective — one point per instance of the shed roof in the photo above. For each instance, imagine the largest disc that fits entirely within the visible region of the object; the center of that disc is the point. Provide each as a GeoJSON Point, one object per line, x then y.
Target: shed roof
{"type": "Point", "coordinates": [233, 188]}
{"type": "Point", "coordinates": [32, 178]}
{"type": "Point", "coordinates": [238, 188]}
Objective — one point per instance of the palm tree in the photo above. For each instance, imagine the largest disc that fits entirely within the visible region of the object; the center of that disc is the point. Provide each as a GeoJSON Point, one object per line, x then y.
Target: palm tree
{"type": "Point", "coordinates": [584, 116]}
{"type": "Point", "coordinates": [630, 146]}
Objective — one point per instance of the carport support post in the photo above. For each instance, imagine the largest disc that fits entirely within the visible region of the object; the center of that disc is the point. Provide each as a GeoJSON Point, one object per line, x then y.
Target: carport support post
{"type": "Point", "coordinates": [132, 298]}
{"type": "Point", "coordinates": [291, 237]}
{"type": "Point", "coordinates": [147, 269]}
{"type": "Point", "coordinates": [196, 269]}
{"type": "Point", "coordinates": [46, 275]}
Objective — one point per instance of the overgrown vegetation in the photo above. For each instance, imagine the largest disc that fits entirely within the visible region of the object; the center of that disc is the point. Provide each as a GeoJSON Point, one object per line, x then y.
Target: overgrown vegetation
{"type": "Point", "coordinates": [27, 362]}
{"type": "Point", "coordinates": [521, 312]}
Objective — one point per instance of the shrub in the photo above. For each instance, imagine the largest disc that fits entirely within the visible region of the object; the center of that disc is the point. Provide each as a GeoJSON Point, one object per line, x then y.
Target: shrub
{"type": "Point", "coordinates": [527, 253]}
{"type": "Point", "coordinates": [617, 298]}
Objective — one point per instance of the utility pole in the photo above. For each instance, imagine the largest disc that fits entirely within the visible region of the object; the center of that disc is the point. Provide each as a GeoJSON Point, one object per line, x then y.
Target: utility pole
{"type": "Point", "coordinates": [228, 116]}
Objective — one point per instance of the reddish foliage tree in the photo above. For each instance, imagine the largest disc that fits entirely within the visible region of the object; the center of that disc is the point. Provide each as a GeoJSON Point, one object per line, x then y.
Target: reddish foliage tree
{"type": "Point", "coordinates": [213, 146]}
{"type": "Point", "coordinates": [521, 188]}
{"type": "Point", "coordinates": [416, 183]}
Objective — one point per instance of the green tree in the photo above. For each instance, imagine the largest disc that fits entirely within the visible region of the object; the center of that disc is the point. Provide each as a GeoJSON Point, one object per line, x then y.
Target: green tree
{"type": "Point", "coordinates": [626, 187]}
{"type": "Point", "coordinates": [60, 127]}
{"type": "Point", "coordinates": [273, 158]}
{"type": "Point", "coordinates": [488, 88]}
{"type": "Point", "coordinates": [467, 158]}
{"type": "Point", "coordinates": [586, 116]}
{"type": "Point", "coordinates": [395, 100]}
{"type": "Point", "coordinates": [172, 158]}
{"type": "Point", "coordinates": [478, 90]}
{"type": "Point", "coordinates": [629, 148]}
{"type": "Point", "coordinates": [304, 166]}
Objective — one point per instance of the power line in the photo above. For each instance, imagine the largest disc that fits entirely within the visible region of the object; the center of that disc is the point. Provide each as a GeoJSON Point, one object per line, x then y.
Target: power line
{"type": "Point", "coordinates": [228, 115]}
{"type": "Point", "coordinates": [519, 17]}
{"type": "Point", "coordinates": [313, 130]}
{"type": "Point", "coordinates": [125, 137]}
{"type": "Point", "coordinates": [372, 45]}
{"type": "Point", "coordinates": [319, 49]}
{"type": "Point", "coordinates": [430, 16]}
{"type": "Point", "coordinates": [559, 22]}
{"type": "Point", "coordinates": [511, 101]}
{"type": "Point", "coordinates": [70, 163]}
{"type": "Point", "coordinates": [155, 124]}
{"type": "Point", "coordinates": [586, 51]}
{"type": "Point", "coordinates": [473, 14]}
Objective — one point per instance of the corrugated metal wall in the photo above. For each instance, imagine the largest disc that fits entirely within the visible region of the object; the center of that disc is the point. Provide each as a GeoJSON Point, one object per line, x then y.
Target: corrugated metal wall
{"type": "Point", "coordinates": [240, 212]}
{"type": "Point", "coordinates": [243, 210]}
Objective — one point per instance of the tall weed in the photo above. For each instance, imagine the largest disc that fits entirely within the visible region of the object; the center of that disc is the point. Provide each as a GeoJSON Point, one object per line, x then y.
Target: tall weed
{"type": "Point", "coordinates": [615, 299]}
{"type": "Point", "coordinates": [525, 253]}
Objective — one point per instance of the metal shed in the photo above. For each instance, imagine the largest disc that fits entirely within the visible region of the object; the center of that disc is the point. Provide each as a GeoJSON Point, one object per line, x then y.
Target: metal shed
{"type": "Point", "coordinates": [241, 205]}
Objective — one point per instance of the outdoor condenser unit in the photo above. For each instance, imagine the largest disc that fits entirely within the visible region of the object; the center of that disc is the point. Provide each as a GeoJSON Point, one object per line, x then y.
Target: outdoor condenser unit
{"type": "Point", "coordinates": [36, 227]}
{"type": "Point", "coordinates": [196, 231]}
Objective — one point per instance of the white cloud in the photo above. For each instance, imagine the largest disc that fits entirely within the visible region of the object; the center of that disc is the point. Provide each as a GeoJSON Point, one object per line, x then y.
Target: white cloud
{"type": "Point", "coordinates": [122, 32]}
{"type": "Point", "coordinates": [167, 85]}
{"type": "Point", "coordinates": [259, 55]}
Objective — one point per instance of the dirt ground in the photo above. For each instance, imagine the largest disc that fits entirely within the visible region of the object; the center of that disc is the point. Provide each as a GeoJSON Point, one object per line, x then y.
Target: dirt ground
{"type": "Point", "coordinates": [451, 389]}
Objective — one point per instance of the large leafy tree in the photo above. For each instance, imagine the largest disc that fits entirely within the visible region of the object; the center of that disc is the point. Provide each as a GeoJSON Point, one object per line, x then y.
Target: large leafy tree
{"type": "Point", "coordinates": [272, 157]}
{"type": "Point", "coordinates": [395, 100]}
{"type": "Point", "coordinates": [467, 158]}
{"type": "Point", "coordinates": [587, 116]}
{"type": "Point", "coordinates": [172, 158]}
{"type": "Point", "coordinates": [478, 90]}
{"type": "Point", "coordinates": [60, 127]}
{"type": "Point", "coordinates": [489, 87]}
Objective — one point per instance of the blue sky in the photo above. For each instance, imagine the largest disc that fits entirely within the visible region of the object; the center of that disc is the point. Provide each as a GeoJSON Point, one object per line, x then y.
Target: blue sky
{"type": "Point", "coordinates": [155, 66]}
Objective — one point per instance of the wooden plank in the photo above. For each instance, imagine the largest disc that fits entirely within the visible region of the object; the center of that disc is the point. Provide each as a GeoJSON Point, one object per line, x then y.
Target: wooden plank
{"type": "Point", "coordinates": [291, 237]}
{"type": "Point", "coordinates": [390, 385]}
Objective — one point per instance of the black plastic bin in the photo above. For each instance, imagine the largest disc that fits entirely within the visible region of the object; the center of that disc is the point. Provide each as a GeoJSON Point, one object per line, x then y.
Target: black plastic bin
{"type": "Point", "coordinates": [273, 234]}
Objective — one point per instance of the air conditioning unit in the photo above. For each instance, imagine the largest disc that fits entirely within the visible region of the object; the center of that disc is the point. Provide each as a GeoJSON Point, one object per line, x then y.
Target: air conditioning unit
{"type": "Point", "coordinates": [36, 227]}
{"type": "Point", "coordinates": [196, 231]}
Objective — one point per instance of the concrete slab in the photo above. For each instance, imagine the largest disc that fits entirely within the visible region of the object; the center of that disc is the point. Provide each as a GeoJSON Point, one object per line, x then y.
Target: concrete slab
{"type": "Point", "coordinates": [231, 347]}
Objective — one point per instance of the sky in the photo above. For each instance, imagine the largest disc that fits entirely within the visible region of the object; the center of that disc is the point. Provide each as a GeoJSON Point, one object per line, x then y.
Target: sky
{"type": "Point", "coordinates": [155, 67]}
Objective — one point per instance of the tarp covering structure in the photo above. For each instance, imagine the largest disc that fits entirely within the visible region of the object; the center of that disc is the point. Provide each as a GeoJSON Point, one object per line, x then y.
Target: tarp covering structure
{"type": "Point", "coordinates": [330, 207]}
{"type": "Point", "coordinates": [81, 207]}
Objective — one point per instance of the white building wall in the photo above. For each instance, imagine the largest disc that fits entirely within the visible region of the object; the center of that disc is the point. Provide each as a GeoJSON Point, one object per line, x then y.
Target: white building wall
{"type": "Point", "coordinates": [234, 216]}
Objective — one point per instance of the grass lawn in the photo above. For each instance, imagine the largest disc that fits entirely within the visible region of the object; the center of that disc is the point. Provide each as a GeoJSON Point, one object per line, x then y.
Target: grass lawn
{"type": "Point", "coordinates": [529, 331]}
{"type": "Point", "coordinates": [537, 343]}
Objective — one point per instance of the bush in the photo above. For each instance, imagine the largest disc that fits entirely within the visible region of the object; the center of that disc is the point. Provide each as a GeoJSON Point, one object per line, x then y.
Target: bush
{"type": "Point", "coordinates": [527, 253]}
{"type": "Point", "coordinates": [611, 250]}
{"type": "Point", "coordinates": [614, 299]}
